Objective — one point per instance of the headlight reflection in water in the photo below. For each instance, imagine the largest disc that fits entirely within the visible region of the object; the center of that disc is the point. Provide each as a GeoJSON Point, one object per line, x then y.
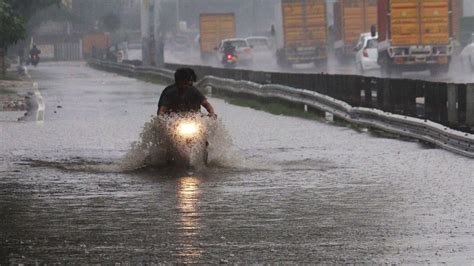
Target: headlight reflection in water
{"type": "Point", "coordinates": [188, 200]}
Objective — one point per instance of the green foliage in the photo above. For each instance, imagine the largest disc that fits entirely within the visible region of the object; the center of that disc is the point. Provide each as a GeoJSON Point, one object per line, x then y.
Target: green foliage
{"type": "Point", "coordinates": [12, 26]}
{"type": "Point", "coordinates": [14, 14]}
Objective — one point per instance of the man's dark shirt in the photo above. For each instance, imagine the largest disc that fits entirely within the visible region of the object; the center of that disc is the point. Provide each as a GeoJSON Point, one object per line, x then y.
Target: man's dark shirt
{"type": "Point", "coordinates": [189, 101]}
{"type": "Point", "coordinates": [229, 49]}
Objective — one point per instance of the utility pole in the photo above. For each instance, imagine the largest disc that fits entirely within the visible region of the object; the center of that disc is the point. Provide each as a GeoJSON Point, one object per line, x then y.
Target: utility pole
{"type": "Point", "coordinates": [159, 36]}
{"type": "Point", "coordinates": [178, 15]}
{"type": "Point", "coordinates": [145, 31]}
{"type": "Point", "coordinates": [151, 33]}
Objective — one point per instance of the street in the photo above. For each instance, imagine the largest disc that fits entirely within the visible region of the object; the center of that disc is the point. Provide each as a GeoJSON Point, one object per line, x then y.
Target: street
{"type": "Point", "coordinates": [280, 189]}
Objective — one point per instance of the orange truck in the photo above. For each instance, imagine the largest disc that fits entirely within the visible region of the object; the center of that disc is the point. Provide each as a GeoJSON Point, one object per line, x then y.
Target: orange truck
{"type": "Point", "coordinates": [416, 35]}
{"type": "Point", "coordinates": [351, 18]}
{"type": "Point", "coordinates": [213, 29]}
{"type": "Point", "coordinates": [301, 32]}
{"type": "Point", "coordinates": [99, 41]}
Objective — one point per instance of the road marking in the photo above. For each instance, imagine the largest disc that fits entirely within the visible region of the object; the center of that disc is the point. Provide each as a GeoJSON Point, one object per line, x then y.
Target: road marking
{"type": "Point", "coordinates": [41, 106]}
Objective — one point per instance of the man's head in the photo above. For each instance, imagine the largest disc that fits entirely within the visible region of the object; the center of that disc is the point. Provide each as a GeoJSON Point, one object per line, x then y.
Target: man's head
{"type": "Point", "coordinates": [184, 78]}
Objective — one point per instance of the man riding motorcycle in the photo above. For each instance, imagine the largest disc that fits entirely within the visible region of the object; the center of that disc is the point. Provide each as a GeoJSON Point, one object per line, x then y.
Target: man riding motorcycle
{"type": "Point", "coordinates": [182, 96]}
{"type": "Point", "coordinates": [229, 48]}
{"type": "Point", "coordinates": [186, 136]}
{"type": "Point", "coordinates": [34, 55]}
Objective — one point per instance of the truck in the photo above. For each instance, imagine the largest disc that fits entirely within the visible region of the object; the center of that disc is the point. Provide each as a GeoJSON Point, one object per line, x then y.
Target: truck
{"type": "Point", "coordinates": [416, 35]}
{"type": "Point", "coordinates": [95, 44]}
{"type": "Point", "coordinates": [213, 29]}
{"type": "Point", "coordinates": [301, 32]}
{"type": "Point", "coordinates": [351, 19]}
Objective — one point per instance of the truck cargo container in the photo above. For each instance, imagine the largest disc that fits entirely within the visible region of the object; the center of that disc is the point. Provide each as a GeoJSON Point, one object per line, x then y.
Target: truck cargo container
{"type": "Point", "coordinates": [416, 35]}
{"type": "Point", "coordinates": [99, 42]}
{"type": "Point", "coordinates": [352, 18]}
{"type": "Point", "coordinates": [213, 29]}
{"type": "Point", "coordinates": [301, 32]}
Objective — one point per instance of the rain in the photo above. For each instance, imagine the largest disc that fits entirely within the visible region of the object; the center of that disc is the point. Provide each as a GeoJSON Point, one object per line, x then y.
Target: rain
{"type": "Point", "coordinates": [236, 132]}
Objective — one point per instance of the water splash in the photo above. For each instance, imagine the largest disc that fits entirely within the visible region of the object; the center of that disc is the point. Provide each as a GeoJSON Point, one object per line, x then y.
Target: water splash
{"type": "Point", "coordinates": [159, 136]}
{"type": "Point", "coordinates": [151, 150]}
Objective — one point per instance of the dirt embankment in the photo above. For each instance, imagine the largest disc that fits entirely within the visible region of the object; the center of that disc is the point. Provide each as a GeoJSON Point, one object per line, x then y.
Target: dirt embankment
{"type": "Point", "coordinates": [16, 96]}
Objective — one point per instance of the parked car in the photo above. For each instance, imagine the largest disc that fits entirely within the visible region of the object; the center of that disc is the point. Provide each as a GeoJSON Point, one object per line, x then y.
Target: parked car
{"type": "Point", "coordinates": [367, 53]}
{"type": "Point", "coordinates": [243, 50]}
{"type": "Point", "coordinates": [260, 44]}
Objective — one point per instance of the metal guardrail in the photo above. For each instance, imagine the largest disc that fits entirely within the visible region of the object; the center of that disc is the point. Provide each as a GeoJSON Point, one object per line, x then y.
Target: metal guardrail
{"type": "Point", "coordinates": [424, 130]}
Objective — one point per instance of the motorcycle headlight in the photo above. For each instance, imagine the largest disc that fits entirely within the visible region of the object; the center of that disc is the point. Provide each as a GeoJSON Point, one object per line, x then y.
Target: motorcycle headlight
{"type": "Point", "coordinates": [188, 129]}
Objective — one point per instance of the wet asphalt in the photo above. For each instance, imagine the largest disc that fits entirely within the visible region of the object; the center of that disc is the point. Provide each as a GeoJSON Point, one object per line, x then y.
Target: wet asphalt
{"type": "Point", "coordinates": [294, 190]}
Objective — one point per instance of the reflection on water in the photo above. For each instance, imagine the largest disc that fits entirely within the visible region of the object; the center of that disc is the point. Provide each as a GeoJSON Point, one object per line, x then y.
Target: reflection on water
{"type": "Point", "coordinates": [189, 227]}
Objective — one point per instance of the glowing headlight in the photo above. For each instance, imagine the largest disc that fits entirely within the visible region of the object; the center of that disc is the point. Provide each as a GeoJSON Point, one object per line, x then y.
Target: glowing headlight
{"type": "Point", "coordinates": [187, 129]}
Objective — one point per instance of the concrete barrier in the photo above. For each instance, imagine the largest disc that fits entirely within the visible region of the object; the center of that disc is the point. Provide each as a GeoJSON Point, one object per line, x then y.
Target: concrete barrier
{"type": "Point", "coordinates": [360, 95]}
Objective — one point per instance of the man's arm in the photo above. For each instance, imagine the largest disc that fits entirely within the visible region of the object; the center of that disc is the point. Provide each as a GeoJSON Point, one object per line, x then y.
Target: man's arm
{"type": "Point", "coordinates": [163, 101]}
{"type": "Point", "coordinates": [209, 108]}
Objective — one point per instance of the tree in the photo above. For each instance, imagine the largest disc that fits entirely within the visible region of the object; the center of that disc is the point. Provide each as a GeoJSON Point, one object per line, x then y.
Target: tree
{"type": "Point", "coordinates": [12, 29]}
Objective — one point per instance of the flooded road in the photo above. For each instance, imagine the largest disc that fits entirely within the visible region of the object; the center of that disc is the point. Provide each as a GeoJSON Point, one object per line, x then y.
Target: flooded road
{"type": "Point", "coordinates": [293, 190]}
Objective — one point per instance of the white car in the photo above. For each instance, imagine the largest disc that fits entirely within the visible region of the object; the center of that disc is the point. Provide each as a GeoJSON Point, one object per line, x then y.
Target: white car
{"type": "Point", "coordinates": [467, 56]}
{"type": "Point", "coordinates": [260, 44]}
{"type": "Point", "coordinates": [367, 53]}
{"type": "Point", "coordinates": [243, 50]}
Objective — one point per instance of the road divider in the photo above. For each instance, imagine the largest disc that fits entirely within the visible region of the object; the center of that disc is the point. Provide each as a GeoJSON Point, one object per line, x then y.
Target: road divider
{"type": "Point", "coordinates": [40, 102]}
{"type": "Point", "coordinates": [424, 130]}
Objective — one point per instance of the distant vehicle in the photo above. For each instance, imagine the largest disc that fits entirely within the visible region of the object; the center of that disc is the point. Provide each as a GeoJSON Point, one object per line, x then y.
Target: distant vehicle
{"type": "Point", "coordinates": [95, 44]}
{"type": "Point", "coordinates": [179, 43]}
{"type": "Point", "coordinates": [416, 35]}
{"type": "Point", "coordinates": [229, 59]}
{"type": "Point", "coordinates": [260, 44]}
{"type": "Point", "coordinates": [301, 32]}
{"type": "Point", "coordinates": [351, 18]}
{"type": "Point", "coordinates": [366, 53]}
{"type": "Point", "coordinates": [243, 51]}
{"type": "Point", "coordinates": [134, 51]}
{"type": "Point", "coordinates": [213, 29]}
{"type": "Point", "coordinates": [34, 59]}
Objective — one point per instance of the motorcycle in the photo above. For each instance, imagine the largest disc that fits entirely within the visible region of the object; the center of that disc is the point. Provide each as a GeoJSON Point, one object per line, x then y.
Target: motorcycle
{"type": "Point", "coordinates": [186, 139]}
{"type": "Point", "coordinates": [229, 60]}
{"type": "Point", "coordinates": [34, 59]}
